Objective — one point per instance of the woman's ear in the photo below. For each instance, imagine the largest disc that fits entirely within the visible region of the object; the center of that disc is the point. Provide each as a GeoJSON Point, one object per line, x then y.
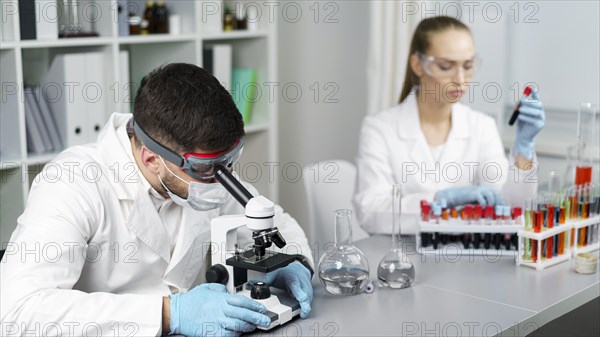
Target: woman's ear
{"type": "Point", "coordinates": [150, 160]}
{"type": "Point", "coordinates": [415, 65]}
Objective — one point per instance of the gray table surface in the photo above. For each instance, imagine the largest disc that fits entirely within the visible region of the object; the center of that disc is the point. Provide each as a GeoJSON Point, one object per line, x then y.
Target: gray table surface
{"type": "Point", "coordinates": [451, 296]}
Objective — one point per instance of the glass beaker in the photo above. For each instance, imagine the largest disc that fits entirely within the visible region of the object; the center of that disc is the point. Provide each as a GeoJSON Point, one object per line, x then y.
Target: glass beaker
{"type": "Point", "coordinates": [345, 270]}
{"type": "Point", "coordinates": [395, 269]}
{"type": "Point", "coordinates": [588, 123]}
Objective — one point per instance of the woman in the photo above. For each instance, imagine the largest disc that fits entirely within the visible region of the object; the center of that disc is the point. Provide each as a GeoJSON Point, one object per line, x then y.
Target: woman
{"type": "Point", "coordinates": [436, 147]}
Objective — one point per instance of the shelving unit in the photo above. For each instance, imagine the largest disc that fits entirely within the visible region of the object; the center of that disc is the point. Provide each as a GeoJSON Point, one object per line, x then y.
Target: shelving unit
{"type": "Point", "coordinates": [26, 62]}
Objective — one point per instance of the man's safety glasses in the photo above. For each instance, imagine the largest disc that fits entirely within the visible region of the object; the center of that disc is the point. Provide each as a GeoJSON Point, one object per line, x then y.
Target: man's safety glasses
{"type": "Point", "coordinates": [442, 68]}
{"type": "Point", "coordinates": [200, 166]}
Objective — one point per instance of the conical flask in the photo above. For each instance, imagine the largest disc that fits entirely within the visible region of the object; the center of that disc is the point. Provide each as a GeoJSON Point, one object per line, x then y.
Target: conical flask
{"type": "Point", "coordinates": [344, 270]}
{"type": "Point", "coordinates": [395, 269]}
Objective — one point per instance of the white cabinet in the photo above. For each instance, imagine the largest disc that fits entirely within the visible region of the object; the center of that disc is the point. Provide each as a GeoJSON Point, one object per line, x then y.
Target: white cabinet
{"type": "Point", "coordinates": [27, 62]}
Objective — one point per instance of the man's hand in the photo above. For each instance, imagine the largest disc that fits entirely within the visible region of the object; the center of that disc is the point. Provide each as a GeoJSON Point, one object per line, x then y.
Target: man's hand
{"type": "Point", "coordinates": [295, 279]}
{"type": "Point", "coordinates": [210, 309]}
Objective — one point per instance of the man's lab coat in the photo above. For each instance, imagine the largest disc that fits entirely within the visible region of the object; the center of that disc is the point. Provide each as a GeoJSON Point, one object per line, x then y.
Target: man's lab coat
{"type": "Point", "coordinates": [393, 149]}
{"type": "Point", "coordinates": [90, 254]}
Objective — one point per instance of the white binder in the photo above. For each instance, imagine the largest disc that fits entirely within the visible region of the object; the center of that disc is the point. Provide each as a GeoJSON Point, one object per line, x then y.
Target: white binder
{"type": "Point", "coordinates": [37, 140]}
{"type": "Point", "coordinates": [217, 59]}
{"type": "Point", "coordinates": [46, 23]}
{"type": "Point", "coordinates": [63, 87]}
{"type": "Point", "coordinates": [49, 122]}
{"type": "Point", "coordinates": [95, 92]}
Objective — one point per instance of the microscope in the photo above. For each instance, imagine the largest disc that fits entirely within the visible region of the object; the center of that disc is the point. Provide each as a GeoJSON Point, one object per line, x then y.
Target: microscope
{"type": "Point", "coordinates": [230, 266]}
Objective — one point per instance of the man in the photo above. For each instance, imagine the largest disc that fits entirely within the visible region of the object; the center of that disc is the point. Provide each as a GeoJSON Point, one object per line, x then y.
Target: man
{"type": "Point", "coordinates": [115, 237]}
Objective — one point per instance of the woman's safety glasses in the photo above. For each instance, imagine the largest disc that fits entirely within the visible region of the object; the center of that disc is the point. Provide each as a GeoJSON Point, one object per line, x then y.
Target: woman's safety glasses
{"type": "Point", "coordinates": [200, 166]}
{"type": "Point", "coordinates": [442, 68]}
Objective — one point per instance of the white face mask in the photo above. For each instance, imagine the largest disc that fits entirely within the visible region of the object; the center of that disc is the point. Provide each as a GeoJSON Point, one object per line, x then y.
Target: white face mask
{"type": "Point", "coordinates": [201, 197]}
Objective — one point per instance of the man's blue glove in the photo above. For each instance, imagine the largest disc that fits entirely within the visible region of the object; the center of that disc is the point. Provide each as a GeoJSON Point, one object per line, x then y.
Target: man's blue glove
{"type": "Point", "coordinates": [483, 195]}
{"type": "Point", "coordinates": [295, 279]}
{"type": "Point", "coordinates": [529, 123]}
{"type": "Point", "coordinates": [210, 309]}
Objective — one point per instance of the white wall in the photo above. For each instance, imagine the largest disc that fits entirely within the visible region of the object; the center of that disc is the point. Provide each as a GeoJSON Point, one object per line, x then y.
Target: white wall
{"type": "Point", "coordinates": [556, 45]}
{"type": "Point", "coordinates": [328, 53]}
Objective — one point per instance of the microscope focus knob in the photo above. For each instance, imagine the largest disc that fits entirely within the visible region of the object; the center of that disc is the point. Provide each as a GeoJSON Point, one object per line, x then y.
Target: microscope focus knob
{"type": "Point", "coordinates": [260, 291]}
{"type": "Point", "coordinates": [217, 274]}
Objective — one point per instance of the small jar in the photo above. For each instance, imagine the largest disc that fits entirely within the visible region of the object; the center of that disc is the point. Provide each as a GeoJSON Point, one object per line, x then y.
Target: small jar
{"type": "Point", "coordinates": [134, 25]}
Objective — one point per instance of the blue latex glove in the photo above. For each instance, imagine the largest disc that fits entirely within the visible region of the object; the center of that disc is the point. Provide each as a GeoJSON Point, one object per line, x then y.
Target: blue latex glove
{"type": "Point", "coordinates": [210, 309]}
{"type": "Point", "coordinates": [295, 279]}
{"type": "Point", "coordinates": [483, 195]}
{"type": "Point", "coordinates": [529, 123]}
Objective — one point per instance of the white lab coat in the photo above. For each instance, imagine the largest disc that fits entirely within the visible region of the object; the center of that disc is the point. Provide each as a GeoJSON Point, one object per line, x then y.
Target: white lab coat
{"type": "Point", "coordinates": [393, 149]}
{"type": "Point", "coordinates": [98, 259]}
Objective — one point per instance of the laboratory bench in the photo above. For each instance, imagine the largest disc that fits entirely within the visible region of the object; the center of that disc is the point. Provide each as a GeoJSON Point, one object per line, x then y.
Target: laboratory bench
{"type": "Point", "coordinates": [451, 296]}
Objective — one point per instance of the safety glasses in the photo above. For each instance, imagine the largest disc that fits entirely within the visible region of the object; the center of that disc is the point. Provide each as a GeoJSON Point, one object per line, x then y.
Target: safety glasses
{"type": "Point", "coordinates": [442, 68]}
{"type": "Point", "coordinates": [200, 166]}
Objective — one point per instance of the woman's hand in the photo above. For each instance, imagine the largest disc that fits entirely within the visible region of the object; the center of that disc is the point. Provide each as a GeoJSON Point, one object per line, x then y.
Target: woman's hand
{"type": "Point", "coordinates": [483, 195]}
{"type": "Point", "coordinates": [529, 123]}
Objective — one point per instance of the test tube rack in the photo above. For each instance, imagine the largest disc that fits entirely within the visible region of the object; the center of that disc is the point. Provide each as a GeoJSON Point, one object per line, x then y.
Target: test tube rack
{"type": "Point", "coordinates": [591, 241]}
{"type": "Point", "coordinates": [453, 229]}
{"type": "Point", "coordinates": [538, 241]}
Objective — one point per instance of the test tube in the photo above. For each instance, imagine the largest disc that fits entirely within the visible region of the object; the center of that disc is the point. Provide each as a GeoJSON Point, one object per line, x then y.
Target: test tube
{"type": "Point", "coordinates": [562, 212]}
{"type": "Point", "coordinates": [445, 214]}
{"type": "Point", "coordinates": [556, 209]}
{"type": "Point", "coordinates": [544, 212]}
{"type": "Point", "coordinates": [477, 214]}
{"type": "Point", "coordinates": [536, 219]}
{"type": "Point", "coordinates": [499, 221]}
{"type": "Point", "coordinates": [528, 215]}
{"type": "Point", "coordinates": [550, 216]}
{"type": "Point", "coordinates": [549, 247]}
{"type": "Point", "coordinates": [575, 204]}
{"type": "Point", "coordinates": [453, 213]}
{"type": "Point", "coordinates": [597, 200]}
{"type": "Point", "coordinates": [489, 218]}
{"type": "Point", "coordinates": [425, 209]}
{"type": "Point", "coordinates": [516, 213]}
{"type": "Point", "coordinates": [469, 213]}
{"type": "Point", "coordinates": [436, 212]}
{"type": "Point", "coordinates": [507, 221]}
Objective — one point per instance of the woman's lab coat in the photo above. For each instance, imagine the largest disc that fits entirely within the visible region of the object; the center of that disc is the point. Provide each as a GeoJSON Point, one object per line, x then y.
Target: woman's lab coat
{"type": "Point", "coordinates": [91, 255]}
{"type": "Point", "coordinates": [393, 149]}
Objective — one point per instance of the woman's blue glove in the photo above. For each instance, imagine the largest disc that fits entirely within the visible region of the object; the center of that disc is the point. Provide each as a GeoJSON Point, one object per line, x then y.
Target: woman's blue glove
{"type": "Point", "coordinates": [483, 195]}
{"type": "Point", "coordinates": [295, 279]}
{"type": "Point", "coordinates": [529, 123]}
{"type": "Point", "coordinates": [209, 309]}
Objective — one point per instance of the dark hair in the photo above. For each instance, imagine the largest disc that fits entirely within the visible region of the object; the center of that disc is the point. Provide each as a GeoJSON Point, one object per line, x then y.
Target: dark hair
{"type": "Point", "coordinates": [420, 43]}
{"type": "Point", "coordinates": [186, 108]}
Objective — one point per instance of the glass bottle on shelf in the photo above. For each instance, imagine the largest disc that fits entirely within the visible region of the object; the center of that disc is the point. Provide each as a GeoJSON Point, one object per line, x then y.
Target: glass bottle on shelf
{"type": "Point", "coordinates": [345, 270]}
{"type": "Point", "coordinates": [395, 269]}
{"type": "Point", "coordinates": [162, 18]}
{"type": "Point", "coordinates": [134, 24]}
{"type": "Point", "coordinates": [150, 18]}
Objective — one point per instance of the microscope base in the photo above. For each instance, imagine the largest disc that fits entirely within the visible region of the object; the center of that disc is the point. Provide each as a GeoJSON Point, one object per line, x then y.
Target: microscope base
{"type": "Point", "coordinates": [281, 307]}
